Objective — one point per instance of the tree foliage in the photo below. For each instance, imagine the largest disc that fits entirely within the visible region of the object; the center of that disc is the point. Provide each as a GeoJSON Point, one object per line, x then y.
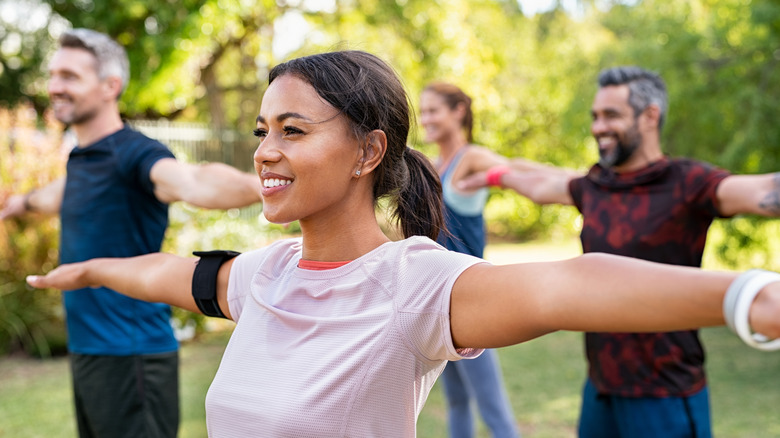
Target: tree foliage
{"type": "Point", "coordinates": [532, 80]}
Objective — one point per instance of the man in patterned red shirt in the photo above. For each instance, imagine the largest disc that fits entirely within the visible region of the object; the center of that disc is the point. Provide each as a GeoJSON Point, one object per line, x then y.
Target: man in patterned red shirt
{"type": "Point", "coordinates": [640, 203]}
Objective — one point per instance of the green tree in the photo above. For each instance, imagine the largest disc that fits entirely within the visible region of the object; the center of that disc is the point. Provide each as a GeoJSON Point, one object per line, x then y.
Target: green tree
{"type": "Point", "coordinates": [719, 59]}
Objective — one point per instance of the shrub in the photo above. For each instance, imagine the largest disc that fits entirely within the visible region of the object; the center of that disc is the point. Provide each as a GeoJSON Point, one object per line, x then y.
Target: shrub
{"type": "Point", "coordinates": [30, 156]}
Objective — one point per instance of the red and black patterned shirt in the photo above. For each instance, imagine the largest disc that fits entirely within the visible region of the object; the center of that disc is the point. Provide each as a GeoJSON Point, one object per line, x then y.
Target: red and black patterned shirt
{"type": "Point", "coordinates": [660, 213]}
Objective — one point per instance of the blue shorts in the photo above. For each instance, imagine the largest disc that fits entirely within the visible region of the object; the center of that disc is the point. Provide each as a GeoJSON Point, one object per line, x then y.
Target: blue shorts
{"type": "Point", "coordinates": [606, 416]}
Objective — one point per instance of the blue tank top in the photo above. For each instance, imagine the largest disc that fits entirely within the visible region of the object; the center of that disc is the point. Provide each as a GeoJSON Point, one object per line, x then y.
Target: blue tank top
{"type": "Point", "coordinates": [462, 215]}
{"type": "Point", "coordinates": [109, 210]}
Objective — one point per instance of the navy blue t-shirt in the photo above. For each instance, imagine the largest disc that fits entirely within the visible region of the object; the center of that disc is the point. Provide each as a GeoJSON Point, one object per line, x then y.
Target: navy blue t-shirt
{"type": "Point", "coordinates": [109, 210]}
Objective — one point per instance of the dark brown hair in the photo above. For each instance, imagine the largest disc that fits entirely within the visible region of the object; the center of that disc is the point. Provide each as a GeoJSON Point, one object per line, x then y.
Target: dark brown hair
{"type": "Point", "coordinates": [369, 93]}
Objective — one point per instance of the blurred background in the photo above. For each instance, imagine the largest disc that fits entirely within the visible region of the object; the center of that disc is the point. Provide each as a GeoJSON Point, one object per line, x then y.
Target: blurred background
{"type": "Point", "coordinates": [199, 69]}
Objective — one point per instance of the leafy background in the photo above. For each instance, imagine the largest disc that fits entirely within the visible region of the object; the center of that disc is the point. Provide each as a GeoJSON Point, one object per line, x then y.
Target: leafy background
{"type": "Point", "coordinates": [532, 78]}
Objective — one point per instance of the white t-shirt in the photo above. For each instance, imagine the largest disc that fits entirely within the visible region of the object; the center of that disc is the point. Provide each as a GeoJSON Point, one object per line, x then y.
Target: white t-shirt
{"type": "Point", "coordinates": [346, 352]}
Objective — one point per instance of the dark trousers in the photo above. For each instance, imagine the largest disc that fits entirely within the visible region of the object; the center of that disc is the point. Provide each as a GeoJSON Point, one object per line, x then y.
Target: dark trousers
{"type": "Point", "coordinates": [605, 416]}
{"type": "Point", "coordinates": [126, 396]}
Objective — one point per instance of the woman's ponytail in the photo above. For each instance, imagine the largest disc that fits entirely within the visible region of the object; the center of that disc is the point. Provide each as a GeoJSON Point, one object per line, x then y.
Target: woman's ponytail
{"type": "Point", "coordinates": [419, 206]}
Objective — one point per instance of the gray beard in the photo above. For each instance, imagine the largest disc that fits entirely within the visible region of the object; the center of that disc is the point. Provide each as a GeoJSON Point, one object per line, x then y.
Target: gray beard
{"type": "Point", "coordinates": [624, 149]}
{"type": "Point", "coordinates": [618, 156]}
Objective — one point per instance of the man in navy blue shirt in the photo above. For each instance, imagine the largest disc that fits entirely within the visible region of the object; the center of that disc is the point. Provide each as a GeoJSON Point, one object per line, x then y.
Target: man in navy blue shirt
{"type": "Point", "coordinates": [113, 202]}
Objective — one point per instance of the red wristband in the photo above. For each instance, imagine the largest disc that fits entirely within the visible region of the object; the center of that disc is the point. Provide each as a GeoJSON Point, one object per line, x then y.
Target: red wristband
{"type": "Point", "coordinates": [494, 175]}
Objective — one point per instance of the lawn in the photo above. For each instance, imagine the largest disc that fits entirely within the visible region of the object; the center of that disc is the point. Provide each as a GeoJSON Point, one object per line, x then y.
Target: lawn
{"type": "Point", "coordinates": [543, 378]}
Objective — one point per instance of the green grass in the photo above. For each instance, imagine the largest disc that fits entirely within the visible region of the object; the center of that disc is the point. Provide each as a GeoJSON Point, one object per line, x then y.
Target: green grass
{"type": "Point", "coordinates": [543, 378]}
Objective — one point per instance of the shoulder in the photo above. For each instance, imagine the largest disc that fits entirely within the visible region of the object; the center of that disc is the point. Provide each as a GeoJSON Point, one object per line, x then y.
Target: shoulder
{"type": "Point", "coordinates": [423, 261]}
{"type": "Point", "coordinates": [271, 260]}
{"type": "Point", "coordinates": [136, 149]}
{"type": "Point", "coordinates": [419, 256]}
{"type": "Point", "coordinates": [692, 170]}
{"type": "Point", "coordinates": [478, 152]}
{"type": "Point", "coordinates": [477, 149]}
{"type": "Point", "coordinates": [692, 164]}
{"type": "Point", "coordinates": [132, 141]}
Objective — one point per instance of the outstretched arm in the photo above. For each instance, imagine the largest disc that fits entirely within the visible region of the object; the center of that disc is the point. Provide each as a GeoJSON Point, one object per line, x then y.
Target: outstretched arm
{"type": "Point", "coordinates": [211, 185]}
{"type": "Point", "coordinates": [538, 182]}
{"type": "Point", "coordinates": [494, 306]}
{"type": "Point", "coordinates": [157, 277]}
{"type": "Point", "coordinates": [751, 194]}
{"type": "Point", "coordinates": [46, 199]}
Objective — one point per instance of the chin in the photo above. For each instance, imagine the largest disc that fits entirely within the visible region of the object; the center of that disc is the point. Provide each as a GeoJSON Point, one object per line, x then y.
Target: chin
{"type": "Point", "coordinates": [277, 218]}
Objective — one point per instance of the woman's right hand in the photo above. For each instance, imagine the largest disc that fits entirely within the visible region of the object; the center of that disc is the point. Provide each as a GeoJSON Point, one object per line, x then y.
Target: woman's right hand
{"type": "Point", "coordinates": [65, 277]}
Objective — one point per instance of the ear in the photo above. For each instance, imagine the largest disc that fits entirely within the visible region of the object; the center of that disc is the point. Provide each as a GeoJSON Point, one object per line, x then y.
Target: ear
{"type": "Point", "coordinates": [652, 116]}
{"type": "Point", "coordinates": [460, 110]}
{"type": "Point", "coordinates": [113, 87]}
{"type": "Point", "coordinates": [372, 152]}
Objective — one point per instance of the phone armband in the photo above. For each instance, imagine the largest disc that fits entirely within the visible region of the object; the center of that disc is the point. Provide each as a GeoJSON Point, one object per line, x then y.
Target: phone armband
{"type": "Point", "coordinates": [204, 280]}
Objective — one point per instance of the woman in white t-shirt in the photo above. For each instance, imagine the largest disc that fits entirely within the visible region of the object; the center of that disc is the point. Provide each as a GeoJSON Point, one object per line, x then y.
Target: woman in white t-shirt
{"type": "Point", "coordinates": [342, 332]}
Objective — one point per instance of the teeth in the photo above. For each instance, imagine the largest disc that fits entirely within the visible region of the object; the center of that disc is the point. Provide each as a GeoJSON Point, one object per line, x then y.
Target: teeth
{"type": "Point", "coordinates": [275, 182]}
{"type": "Point", "coordinates": [606, 141]}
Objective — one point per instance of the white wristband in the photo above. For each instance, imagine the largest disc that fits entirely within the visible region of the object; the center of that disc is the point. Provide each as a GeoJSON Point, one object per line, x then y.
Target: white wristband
{"type": "Point", "coordinates": [736, 307]}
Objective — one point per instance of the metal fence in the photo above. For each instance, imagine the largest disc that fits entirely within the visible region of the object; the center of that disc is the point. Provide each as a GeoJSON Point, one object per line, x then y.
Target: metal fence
{"type": "Point", "coordinates": [196, 142]}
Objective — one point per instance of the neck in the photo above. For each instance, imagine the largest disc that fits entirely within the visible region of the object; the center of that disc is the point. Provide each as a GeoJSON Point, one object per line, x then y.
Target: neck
{"type": "Point", "coordinates": [344, 236]}
{"type": "Point", "coordinates": [102, 125]}
{"type": "Point", "coordinates": [646, 154]}
{"type": "Point", "coordinates": [450, 146]}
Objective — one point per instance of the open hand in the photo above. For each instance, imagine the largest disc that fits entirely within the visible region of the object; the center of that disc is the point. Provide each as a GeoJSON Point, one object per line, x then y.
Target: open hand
{"type": "Point", "coordinates": [65, 277]}
{"type": "Point", "coordinates": [13, 206]}
{"type": "Point", "coordinates": [476, 180]}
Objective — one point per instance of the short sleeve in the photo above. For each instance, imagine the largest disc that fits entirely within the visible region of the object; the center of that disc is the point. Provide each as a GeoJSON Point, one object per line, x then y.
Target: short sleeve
{"type": "Point", "coordinates": [137, 154]}
{"type": "Point", "coordinates": [701, 181]}
{"type": "Point", "coordinates": [270, 261]}
{"type": "Point", "coordinates": [426, 276]}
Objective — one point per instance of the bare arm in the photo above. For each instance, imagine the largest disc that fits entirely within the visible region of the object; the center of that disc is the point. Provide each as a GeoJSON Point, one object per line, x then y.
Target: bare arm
{"type": "Point", "coordinates": [157, 277]}
{"type": "Point", "coordinates": [494, 306]}
{"type": "Point", "coordinates": [211, 185]}
{"type": "Point", "coordinates": [47, 199]}
{"type": "Point", "coordinates": [542, 186]}
{"type": "Point", "coordinates": [752, 194]}
{"type": "Point", "coordinates": [540, 183]}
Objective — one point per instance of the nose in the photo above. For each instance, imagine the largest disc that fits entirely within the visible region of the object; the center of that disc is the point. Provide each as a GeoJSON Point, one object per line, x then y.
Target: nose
{"type": "Point", "coordinates": [267, 151]}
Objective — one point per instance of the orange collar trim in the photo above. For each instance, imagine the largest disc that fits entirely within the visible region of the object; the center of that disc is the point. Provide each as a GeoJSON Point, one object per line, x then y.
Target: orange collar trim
{"type": "Point", "coordinates": [313, 265]}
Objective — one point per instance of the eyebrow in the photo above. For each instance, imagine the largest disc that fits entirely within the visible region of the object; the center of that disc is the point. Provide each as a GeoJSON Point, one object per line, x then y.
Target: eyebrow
{"type": "Point", "coordinates": [283, 116]}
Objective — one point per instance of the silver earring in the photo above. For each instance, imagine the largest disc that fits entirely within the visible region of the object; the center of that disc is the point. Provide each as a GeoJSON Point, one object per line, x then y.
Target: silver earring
{"type": "Point", "coordinates": [357, 172]}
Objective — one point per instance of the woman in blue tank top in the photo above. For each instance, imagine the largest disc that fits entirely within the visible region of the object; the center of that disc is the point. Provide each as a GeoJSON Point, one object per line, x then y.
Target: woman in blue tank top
{"type": "Point", "coordinates": [447, 119]}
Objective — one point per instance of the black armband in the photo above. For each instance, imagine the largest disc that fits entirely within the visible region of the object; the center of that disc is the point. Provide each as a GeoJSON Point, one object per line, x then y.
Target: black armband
{"type": "Point", "coordinates": [204, 280]}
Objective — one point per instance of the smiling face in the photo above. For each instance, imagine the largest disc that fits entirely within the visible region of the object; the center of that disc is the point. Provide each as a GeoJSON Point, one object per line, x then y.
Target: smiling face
{"type": "Point", "coordinates": [615, 126]}
{"type": "Point", "coordinates": [438, 119]}
{"type": "Point", "coordinates": [76, 92]}
{"type": "Point", "coordinates": [307, 156]}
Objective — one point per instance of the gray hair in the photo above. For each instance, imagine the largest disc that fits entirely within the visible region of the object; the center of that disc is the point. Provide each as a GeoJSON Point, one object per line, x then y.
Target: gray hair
{"type": "Point", "coordinates": [111, 57]}
{"type": "Point", "coordinates": [645, 88]}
